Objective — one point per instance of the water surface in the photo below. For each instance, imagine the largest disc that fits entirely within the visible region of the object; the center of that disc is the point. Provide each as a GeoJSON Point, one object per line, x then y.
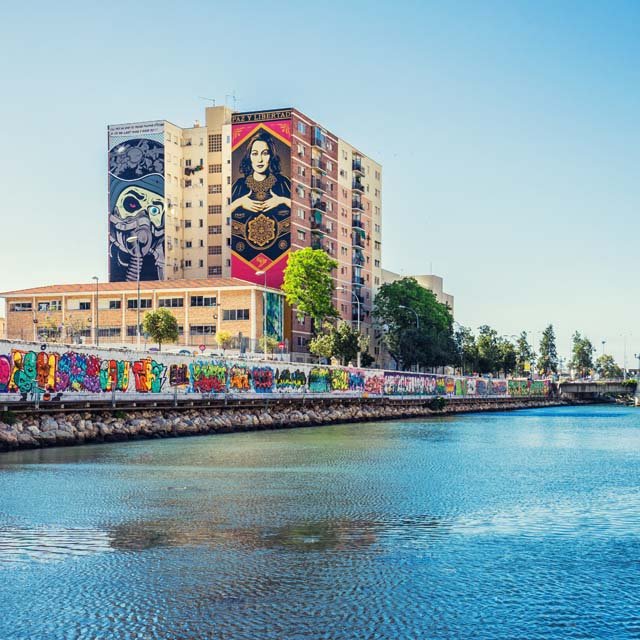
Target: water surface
{"type": "Point", "coordinates": [502, 525]}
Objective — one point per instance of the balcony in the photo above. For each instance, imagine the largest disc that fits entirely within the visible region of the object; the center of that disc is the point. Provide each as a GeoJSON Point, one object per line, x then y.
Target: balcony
{"type": "Point", "coordinates": [319, 141]}
{"type": "Point", "coordinates": [356, 185]}
{"type": "Point", "coordinates": [357, 281]}
{"type": "Point", "coordinates": [357, 261]}
{"type": "Point", "coordinates": [357, 205]}
{"type": "Point", "coordinates": [357, 241]}
{"type": "Point", "coordinates": [357, 223]}
{"type": "Point", "coordinates": [318, 227]}
{"type": "Point", "coordinates": [317, 184]}
{"type": "Point", "coordinates": [316, 243]}
{"type": "Point", "coordinates": [318, 204]}
{"type": "Point", "coordinates": [356, 165]}
{"type": "Point", "coordinates": [316, 163]}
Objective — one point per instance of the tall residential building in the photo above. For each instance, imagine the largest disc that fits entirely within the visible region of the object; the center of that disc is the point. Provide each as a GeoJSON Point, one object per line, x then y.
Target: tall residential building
{"type": "Point", "coordinates": [232, 198]}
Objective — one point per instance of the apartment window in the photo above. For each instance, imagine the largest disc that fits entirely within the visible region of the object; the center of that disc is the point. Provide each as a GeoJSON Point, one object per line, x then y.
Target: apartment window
{"type": "Point", "coordinates": [301, 214]}
{"type": "Point", "coordinates": [376, 228]}
{"type": "Point", "coordinates": [376, 263]}
{"type": "Point", "coordinates": [215, 209]}
{"type": "Point", "coordinates": [202, 329]}
{"type": "Point", "coordinates": [187, 163]}
{"type": "Point", "coordinates": [301, 341]}
{"type": "Point", "coordinates": [115, 304]}
{"type": "Point", "coordinates": [215, 271]}
{"type": "Point", "coordinates": [215, 228]}
{"type": "Point", "coordinates": [300, 150]}
{"type": "Point", "coordinates": [201, 203]}
{"type": "Point", "coordinates": [172, 302]}
{"type": "Point", "coordinates": [132, 330]}
{"type": "Point", "coordinates": [215, 188]}
{"type": "Point", "coordinates": [215, 168]}
{"type": "Point", "coordinates": [215, 250]}
{"type": "Point", "coordinates": [235, 314]}
{"type": "Point", "coordinates": [228, 262]}
{"type": "Point", "coordinates": [301, 171]}
{"type": "Point", "coordinates": [215, 143]}
{"type": "Point", "coordinates": [200, 263]}
{"type": "Point", "coordinates": [203, 301]}
{"type": "Point", "coordinates": [376, 245]}
{"type": "Point", "coordinates": [201, 243]}
{"type": "Point", "coordinates": [20, 306]}
{"type": "Point", "coordinates": [300, 191]}
{"type": "Point", "coordinates": [187, 205]}
{"type": "Point", "coordinates": [228, 179]}
{"type": "Point", "coordinates": [301, 234]}
{"type": "Point", "coordinates": [187, 224]}
{"type": "Point", "coordinates": [109, 332]}
{"type": "Point", "coordinates": [187, 265]}
{"type": "Point", "coordinates": [329, 165]}
{"type": "Point", "coordinates": [188, 244]}
{"type": "Point", "coordinates": [84, 306]}
{"type": "Point", "coordinates": [145, 303]}
{"type": "Point", "coordinates": [302, 127]}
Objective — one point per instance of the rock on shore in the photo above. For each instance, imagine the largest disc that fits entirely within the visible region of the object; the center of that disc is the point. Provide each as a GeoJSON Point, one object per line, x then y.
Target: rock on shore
{"type": "Point", "coordinates": [32, 430]}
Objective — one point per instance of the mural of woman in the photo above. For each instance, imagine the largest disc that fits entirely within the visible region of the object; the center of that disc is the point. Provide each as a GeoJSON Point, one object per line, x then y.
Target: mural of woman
{"type": "Point", "coordinates": [260, 201]}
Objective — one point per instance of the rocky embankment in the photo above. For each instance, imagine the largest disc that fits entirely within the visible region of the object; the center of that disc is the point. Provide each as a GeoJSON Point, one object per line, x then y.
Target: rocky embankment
{"type": "Point", "coordinates": [33, 430]}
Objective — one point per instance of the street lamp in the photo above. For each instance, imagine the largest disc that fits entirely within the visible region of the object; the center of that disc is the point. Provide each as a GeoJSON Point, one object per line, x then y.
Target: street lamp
{"type": "Point", "coordinates": [131, 240]}
{"type": "Point", "coordinates": [357, 299]}
{"type": "Point", "coordinates": [97, 327]}
{"type": "Point", "coordinates": [603, 343]}
{"type": "Point", "coordinates": [401, 306]}
{"type": "Point", "coordinates": [264, 313]}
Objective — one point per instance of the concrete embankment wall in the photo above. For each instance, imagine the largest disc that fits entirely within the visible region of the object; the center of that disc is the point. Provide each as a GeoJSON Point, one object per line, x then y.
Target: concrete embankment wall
{"type": "Point", "coordinates": [46, 428]}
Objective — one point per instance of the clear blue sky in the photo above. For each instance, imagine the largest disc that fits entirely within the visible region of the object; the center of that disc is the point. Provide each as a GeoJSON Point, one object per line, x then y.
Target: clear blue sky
{"type": "Point", "coordinates": [508, 134]}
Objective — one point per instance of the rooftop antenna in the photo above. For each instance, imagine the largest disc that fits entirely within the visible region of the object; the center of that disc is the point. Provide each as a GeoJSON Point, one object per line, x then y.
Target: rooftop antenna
{"type": "Point", "coordinates": [233, 99]}
{"type": "Point", "coordinates": [213, 102]}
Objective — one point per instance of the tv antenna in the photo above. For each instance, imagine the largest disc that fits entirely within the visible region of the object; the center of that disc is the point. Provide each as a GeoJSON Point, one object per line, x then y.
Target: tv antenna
{"type": "Point", "coordinates": [211, 100]}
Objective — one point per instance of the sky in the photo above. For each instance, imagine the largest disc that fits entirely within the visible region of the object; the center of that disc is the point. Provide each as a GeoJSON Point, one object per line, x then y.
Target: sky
{"type": "Point", "coordinates": [507, 130]}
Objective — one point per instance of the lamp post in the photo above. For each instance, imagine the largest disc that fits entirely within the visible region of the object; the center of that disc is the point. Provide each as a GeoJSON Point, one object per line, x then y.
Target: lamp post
{"type": "Point", "coordinates": [603, 343]}
{"type": "Point", "coordinates": [97, 327]}
{"type": "Point", "coordinates": [131, 240]}
{"type": "Point", "coordinates": [264, 313]}
{"type": "Point", "coordinates": [354, 296]}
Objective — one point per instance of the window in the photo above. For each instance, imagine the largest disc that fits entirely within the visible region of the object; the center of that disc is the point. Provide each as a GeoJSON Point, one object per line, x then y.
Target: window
{"type": "Point", "coordinates": [329, 165]}
{"type": "Point", "coordinates": [115, 304]}
{"type": "Point", "coordinates": [132, 330]}
{"type": "Point", "coordinates": [376, 245]}
{"type": "Point", "coordinates": [202, 329]}
{"type": "Point", "coordinates": [145, 303]}
{"type": "Point", "coordinates": [300, 191]}
{"type": "Point", "coordinates": [187, 205]}
{"type": "Point", "coordinates": [201, 223]}
{"type": "Point", "coordinates": [235, 314]}
{"type": "Point", "coordinates": [188, 244]}
{"type": "Point", "coordinates": [302, 127]}
{"type": "Point", "coordinates": [203, 301]}
{"type": "Point", "coordinates": [301, 171]}
{"type": "Point", "coordinates": [215, 143]}
{"type": "Point", "coordinates": [187, 265]}
{"type": "Point", "coordinates": [215, 228]}
{"type": "Point", "coordinates": [215, 250]}
{"type": "Point", "coordinates": [52, 305]}
{"type": "Point", "coordinates": [376, 263]}
{"type": "Point", "coordinates": [215, 208]}
{"type": "Point", "coordinates": [215, 188]}
{"type": "Point", "coordinates": [215, 168]}
{"type": "Point", "coordinates": [84, 306]}
{"type": "Point", "coordinates": [215, 271]}
{"type": "Point", "coordinates": [301, 234]}
{"type": "Point", "coordinates": [172, 302]}
{"type": "Point", "coordinates": [301, 214]}
{"type": "Point", "coordinates": [187, 163]}
{"type": "Point", "coordinates": [201, 243]}
{"type": "Point", "coordinates": [187, 224]}
{"type": "Point", "coordinates": [109, 332]}
{"type": "Point", "coordinates": [20, 306]}
{"type": "Point", "coordinates": [201, 203]}
{"type": "Point", "coordinates": [201, 263]}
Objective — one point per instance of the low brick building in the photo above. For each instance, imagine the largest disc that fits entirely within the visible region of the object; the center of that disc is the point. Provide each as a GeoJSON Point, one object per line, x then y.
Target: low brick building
{"type": "Point", "coordinates": [108, 312]}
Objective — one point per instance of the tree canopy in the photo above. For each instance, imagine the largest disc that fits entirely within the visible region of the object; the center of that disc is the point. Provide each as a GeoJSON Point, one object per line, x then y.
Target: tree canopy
{"type": "Point", "coordinates": [582, 355]}
{"type": "Point", "coordinates": [161, 325]}
{"type": "Point", "coordinates": [418, 328]}
{"type": "Point", "coordinates": [548, 358]}
{"type": "Point", "coordinates": [525, 355]}
{"type": "Point", "coordinates": [341, 341]}
{"type": "Point", "coordinates": [308, 285]}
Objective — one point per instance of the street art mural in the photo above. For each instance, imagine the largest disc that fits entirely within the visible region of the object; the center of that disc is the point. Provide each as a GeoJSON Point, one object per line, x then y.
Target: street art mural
{"type": "Point", "coordinates": [261, 196]}
{"type": "Point", "coordinates": [27, 372]}
{"type": "Point", "coordinates": [136, 202]}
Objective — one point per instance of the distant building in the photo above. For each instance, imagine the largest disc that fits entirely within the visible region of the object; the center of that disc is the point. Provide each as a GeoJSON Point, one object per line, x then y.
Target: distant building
{"type": "Point", "coordinates": [197, 202]}
{"type": "Point", "coordinates": [3, 327]}
{"type": "Point", "coordinates": [77, 312]}
{"type": "Point", "coordinates": [432, 282]}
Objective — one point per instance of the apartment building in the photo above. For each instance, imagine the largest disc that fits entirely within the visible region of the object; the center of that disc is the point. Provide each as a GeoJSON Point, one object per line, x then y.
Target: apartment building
{"type": "Point", "coordinates": [198, 202]}
{"type": "Point", "coordinates": [432, 282]}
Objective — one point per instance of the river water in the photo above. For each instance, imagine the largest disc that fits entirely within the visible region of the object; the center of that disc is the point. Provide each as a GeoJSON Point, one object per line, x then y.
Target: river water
{"type": "Point", "coordinates": [497, 525]}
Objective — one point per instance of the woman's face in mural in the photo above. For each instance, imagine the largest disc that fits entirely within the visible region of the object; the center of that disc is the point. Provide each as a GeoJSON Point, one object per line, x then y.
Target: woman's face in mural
{"type": "Point", "coordinates": [134, 201]}
{"type": "Point", "coordinates": [260, 157]}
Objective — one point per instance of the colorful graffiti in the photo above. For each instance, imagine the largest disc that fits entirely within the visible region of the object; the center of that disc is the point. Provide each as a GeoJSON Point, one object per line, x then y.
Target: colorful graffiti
{"type": "Point", "coordinates": [25, 372]}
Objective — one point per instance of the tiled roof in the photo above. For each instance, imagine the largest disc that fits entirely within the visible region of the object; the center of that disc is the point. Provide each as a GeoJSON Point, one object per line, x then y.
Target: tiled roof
{"type": "Point", "coordinates": [145, 285]}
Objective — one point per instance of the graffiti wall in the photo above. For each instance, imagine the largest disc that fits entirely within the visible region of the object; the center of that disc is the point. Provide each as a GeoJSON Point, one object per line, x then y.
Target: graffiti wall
{"type": "Point", "coordinates": [136, 202]}
{"type": "Point", "coordinates": [261, 196]}
{"type": "Point", "coordinates": [26, 370]}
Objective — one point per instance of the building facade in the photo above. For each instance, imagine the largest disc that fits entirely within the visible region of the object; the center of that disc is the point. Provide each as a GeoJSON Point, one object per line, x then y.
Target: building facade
{"type": "Point", "coordinates": [432, 282]}
{"type": "Point", "coordinates": [232, 198]}
{"type": "Point", "coordinates": [109, 313]}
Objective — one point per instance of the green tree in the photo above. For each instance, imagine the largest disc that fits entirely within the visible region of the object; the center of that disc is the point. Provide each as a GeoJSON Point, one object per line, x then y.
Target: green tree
{"type": "Point", "coordinates": [489, 354]}
{"type": "Point", "coordinates": [161, 325]}
{"type": "Point", "coordinates": [308, 285]}
{"type": "Point", "coordinates": [548, 359]}
{"type": "Point", "coordinates": [508, 358]}
{"type": "Point", "coordinates": [223, 338]}
{"type": "Point", "coordinates": [607, 367]}
{"type": "Point", "coordinates": [582, 355]}
{"type": "Point", "coordinates": [341, 341]}
{"type": "Point", "coordinates": [466, 349]}
{"type": "Point", "coordinates": [525, 355]}
{"type": "Point", "coordinates": [419, 329]}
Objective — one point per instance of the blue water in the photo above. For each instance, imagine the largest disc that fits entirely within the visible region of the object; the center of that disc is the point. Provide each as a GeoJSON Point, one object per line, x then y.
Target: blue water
{"type": "Point", "coordinates": [503, 525]}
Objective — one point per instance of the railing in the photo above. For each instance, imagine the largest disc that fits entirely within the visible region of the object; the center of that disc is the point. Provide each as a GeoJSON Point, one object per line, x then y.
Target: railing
{"type": "Point", "coordinates": [357, 204]}
{"type": "Point", "coordinates": [357, 223]}
{"type": "Point", "coordinates": [316, 183]}
{"type": "Point", "coordinates": [356, 165]}
{"type": "Point", "coordinates": [357, 186]}
{"type": "Point", "coordinates": [318, 204]}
